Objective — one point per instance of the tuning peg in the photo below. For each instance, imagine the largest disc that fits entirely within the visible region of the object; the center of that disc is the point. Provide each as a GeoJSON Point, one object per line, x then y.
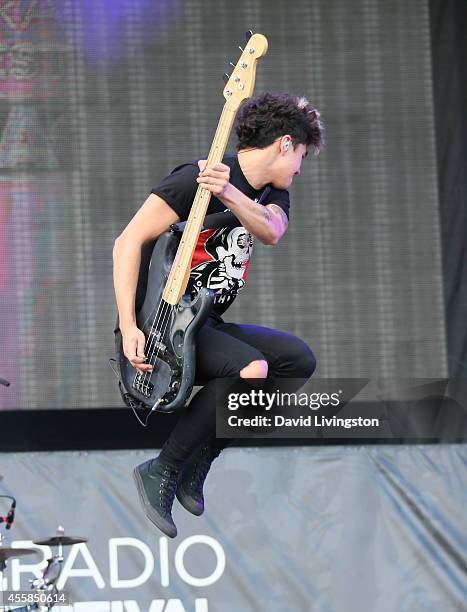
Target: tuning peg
{"type": "Point", "coordinates": [248, 35]}
{"type": "Point", "coordinates": [240, 48]}
{"type": "Point", "coordinates": [225, 77]}
{"type": "Point", "coordinates": [233, 65]}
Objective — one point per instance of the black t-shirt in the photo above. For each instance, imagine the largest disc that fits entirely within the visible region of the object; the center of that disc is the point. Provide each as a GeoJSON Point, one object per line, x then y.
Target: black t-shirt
{"type": "Point", "coordinates": [222, 255]}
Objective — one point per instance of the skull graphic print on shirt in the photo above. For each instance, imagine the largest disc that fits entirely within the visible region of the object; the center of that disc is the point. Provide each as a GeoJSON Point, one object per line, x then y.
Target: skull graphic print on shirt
{"type": "Point", "coordinates": [220, 262]}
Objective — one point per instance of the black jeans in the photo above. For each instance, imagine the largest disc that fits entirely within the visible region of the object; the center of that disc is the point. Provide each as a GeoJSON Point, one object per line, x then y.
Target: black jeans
{"type": "Point", "coordinates": [222, 350]}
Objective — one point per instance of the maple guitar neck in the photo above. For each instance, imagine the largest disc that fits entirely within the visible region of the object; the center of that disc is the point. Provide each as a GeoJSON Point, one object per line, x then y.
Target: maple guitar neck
{"type": "Point", "coordinates": [180, 272]}
{"type": "Point", "coordinates": [239, 87]}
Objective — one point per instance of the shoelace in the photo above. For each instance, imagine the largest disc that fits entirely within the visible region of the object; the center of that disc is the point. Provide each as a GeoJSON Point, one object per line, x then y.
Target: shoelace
{"type": "Point", "coordinates": [167, 488]}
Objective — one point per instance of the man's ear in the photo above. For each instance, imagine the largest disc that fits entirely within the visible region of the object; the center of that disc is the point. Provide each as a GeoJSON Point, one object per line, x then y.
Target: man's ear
{"type": "Point", "coordinates": [285, 143]}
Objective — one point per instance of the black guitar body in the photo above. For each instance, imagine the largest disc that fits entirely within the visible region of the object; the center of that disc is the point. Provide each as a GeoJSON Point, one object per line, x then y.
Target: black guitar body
{"type": "Point", "coordinates": [170, 333]}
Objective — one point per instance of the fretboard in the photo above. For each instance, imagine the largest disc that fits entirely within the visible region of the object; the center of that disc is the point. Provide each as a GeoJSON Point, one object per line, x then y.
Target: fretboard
{"type": "Point", "coordinates": [180, 272]}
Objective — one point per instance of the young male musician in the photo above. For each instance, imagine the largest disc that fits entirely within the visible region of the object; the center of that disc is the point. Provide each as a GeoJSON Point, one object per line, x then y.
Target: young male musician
{"type": "Point", "coordinates": [274, 134]}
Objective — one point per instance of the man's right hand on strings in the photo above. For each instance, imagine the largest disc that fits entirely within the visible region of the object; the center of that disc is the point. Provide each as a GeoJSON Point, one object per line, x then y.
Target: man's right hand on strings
{"type": "Point", "coordinates": [133, 348]}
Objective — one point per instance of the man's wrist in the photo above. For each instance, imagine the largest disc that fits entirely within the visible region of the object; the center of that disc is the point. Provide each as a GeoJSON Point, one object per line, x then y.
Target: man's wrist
{"type": "Point", "coordinates": [127, 324]}
{"type": "Point", "coordinates": [230, 195]}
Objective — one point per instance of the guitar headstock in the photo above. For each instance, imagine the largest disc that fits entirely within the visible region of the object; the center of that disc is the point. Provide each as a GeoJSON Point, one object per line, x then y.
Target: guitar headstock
{"type": "Point", "coordinates": [241, 82]}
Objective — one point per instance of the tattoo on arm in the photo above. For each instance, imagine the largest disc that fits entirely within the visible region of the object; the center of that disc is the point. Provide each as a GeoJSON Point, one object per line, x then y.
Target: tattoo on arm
{"type": "Point", "coordinates": [284, 220]}
{"type": "Point", "coordinates": [267, 214]}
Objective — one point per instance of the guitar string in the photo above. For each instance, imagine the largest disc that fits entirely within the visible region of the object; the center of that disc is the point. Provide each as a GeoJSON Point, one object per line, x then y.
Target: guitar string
{"type": "Point", "coordinates": [147, 375]}
{"type": "Point", "coordinates": [169, 311]}
{"type": "Point", "coordinates": [157, 315]}
{"type": "Point", "coordinates": [220, 133]}
{"type": "Point", "coordinates": [153, 337]}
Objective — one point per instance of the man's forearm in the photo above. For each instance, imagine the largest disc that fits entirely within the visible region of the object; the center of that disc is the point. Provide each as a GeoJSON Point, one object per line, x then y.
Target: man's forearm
{"type": "Point", "coordinates": [254, 217]}
{"type": "Point", "coordinates": [127, 261]}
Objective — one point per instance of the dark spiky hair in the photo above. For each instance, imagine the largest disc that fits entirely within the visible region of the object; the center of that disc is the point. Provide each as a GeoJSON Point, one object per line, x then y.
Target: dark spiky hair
{"type": "Point", "coordinates": [266, 118]}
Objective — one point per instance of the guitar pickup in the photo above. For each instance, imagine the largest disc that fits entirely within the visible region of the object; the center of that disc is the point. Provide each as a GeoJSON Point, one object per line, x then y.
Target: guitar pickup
{"type": "Point", "coordinates": [144, 387]}
{"type": "Point", "coordinates": [154, 340]}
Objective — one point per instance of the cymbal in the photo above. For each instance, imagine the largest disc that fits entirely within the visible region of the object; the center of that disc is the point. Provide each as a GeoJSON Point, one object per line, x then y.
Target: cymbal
{"type": "Point", "coordinates": [8, 553]}
{"type": "Point", "coordinates": [63, 540]}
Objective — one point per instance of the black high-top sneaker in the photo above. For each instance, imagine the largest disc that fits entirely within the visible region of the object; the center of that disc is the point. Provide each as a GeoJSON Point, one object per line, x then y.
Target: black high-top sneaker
{"type": "Point", "coordinates": [156, 483]}
{"type": "Point", "coordinates": [190, 487]}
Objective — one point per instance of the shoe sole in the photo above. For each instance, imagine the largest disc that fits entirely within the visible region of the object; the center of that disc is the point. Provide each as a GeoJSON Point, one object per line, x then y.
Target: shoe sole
{"type": "Point", "coordinates": [149, 511]}
{"type": "Point", "coordinates": [187, 502]}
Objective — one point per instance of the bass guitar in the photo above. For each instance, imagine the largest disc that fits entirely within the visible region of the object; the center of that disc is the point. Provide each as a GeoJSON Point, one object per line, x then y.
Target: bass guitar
{"type": "Point", "coordinates": [168, 317]}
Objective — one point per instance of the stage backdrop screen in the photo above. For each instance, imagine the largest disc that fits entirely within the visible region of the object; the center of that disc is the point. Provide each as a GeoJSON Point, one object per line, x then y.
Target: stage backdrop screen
{"type": "Point", "coordinates": [100, 99]}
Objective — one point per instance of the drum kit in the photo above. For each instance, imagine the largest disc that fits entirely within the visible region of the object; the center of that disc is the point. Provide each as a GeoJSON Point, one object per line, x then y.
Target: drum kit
{"type": "Point", "coordinates": [44, 594]}
{"type": "Point", "coordinates": [44, 590]}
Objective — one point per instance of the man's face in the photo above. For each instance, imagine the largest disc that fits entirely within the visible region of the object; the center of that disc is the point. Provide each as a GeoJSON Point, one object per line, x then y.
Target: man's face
{"type": "Point", "coordinates": [288, 165]}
